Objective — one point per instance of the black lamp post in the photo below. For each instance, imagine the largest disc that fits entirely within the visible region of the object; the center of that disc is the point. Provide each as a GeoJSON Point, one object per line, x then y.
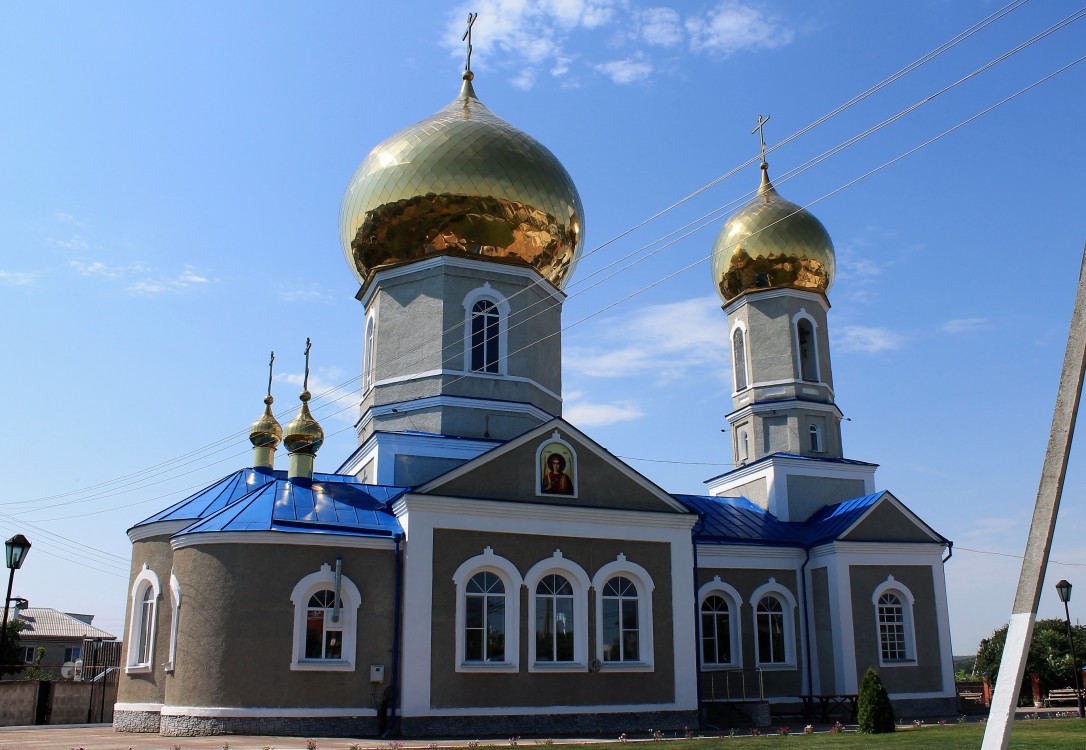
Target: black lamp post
{"type": "Point", "coordinates": [1063, 588]}
{"type": "Point", "coordinates": [15, 553]}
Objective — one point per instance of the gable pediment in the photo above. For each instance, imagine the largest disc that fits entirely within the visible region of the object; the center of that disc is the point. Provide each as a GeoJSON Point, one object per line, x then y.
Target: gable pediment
{"type": "Point", "coordinates": [890, 521]}
{"type": "Point", "coordinates": [554, 464]}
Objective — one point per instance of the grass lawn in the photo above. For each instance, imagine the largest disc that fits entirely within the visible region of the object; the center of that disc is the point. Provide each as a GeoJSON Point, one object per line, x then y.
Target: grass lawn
{"type": "Point", "coordinates": [1046, 734]}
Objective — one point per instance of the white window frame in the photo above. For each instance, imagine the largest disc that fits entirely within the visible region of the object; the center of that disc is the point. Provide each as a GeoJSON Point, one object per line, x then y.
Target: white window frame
{"type": "Point", "coordinates": [788, 607]}
{"type": "Point", "coordinates": [642, 581]}
{"type": "Point", "coordinates": [488, 293]}
{"type": "Point", "coordinates": [512, 580]}
{"type": "Point", "coordinates": [804, 315]}
{"type": "Point", "coordinates": [369, 352]}
{"type": "Point", "coordinates": [145, 580]}
{"type": "Point", "coordinates": [350, 598]}
{"type": "Point", "coordinates": [175, 620]}
{"type": "Point", "coordinates": [815, 433]}
{"type": "Point", "coordinates": [717, 587]}
{"type": "Point", "coordinates": [579, 581]}
{"type": "Point", "coordinates": [907, 601]}
{"type": "Point", "coordinates": [741, 329]}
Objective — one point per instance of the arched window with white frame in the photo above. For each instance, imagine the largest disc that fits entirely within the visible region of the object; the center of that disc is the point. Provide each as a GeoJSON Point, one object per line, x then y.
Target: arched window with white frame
{"type": "Point", "coordinates": [815, 436]}
{"type": "Point", "coordinates": [893, 604]}
{"type": "Point", "coordinates": [624, 616]}
{"type": "Point", "coordinates": [557, 615]}
{"type": "Point", "coordinates": [142, 628]}
{"type": "Point", "coordinates": [721, 644]}
{"type": "Point", "coordinates": [487, 614]}
{"type": "Point", "coordinates": [369, 353]}
{"type": "Point", "coordinates": [486, 315]}
{"type": "Point", "coordinates": [774, 626]}
{"type": "Point", "coordinates": [806, 347]}
{"type": "Point", "coordinates": [739, 358]}
{"type": "Point", "coordinates": [325, 626]}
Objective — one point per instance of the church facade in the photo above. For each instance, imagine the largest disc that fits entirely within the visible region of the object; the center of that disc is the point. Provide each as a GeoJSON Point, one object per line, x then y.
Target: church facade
{"type": "Point", "coordinates": [479, 566]}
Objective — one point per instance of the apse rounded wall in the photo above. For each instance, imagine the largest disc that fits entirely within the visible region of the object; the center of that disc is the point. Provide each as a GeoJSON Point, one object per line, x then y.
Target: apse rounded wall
{"type": "Point", "coordinates": [137, 685]}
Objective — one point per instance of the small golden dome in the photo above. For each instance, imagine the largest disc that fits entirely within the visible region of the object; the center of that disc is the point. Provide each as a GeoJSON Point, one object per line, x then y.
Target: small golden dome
{"type": "Point", "coordinates": [772, 243]}
{"type": "Point", "coordinates": [303, 434]}
{"type": "Point", "coordinates": [266, 432]}
{"type": "Point", "coordinates": [462, 180]}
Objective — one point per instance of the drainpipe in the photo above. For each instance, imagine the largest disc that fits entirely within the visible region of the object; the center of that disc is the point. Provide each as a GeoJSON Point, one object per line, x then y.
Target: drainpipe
{"type": "Point", "coordinates": [394, 717]}
{"type": "Point", "coordinates": [949, 551]}
{"type": "Point", "coordinates": [806, 624]}
{"type": "Point", "coordinates": [697, 630]}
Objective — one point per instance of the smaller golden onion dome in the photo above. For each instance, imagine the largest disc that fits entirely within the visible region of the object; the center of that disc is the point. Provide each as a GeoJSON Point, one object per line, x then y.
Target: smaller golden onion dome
{"type": "Point", "coordinates": [303, 434]}
{"type": "Point", "coordinates": [772, 243]}
{"type": "Point", "coordinates": [266, 431]}
{"type": "Point", "coordinates": [462, 181]}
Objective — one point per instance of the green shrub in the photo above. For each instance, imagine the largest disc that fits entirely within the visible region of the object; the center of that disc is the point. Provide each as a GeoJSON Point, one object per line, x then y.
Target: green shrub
{"type": "Point", "coordinates": [874, 713]}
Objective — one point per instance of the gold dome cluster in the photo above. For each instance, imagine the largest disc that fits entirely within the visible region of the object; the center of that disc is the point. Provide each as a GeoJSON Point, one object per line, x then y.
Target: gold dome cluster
{"type": "Point", "coordinates": [304, 434]}
{"type": "Point", "coordinates": [772, 243]}
{"type": "Point", "coordinates": [266, 431]}
{"type": "Point", "coordinates": [462, 180]}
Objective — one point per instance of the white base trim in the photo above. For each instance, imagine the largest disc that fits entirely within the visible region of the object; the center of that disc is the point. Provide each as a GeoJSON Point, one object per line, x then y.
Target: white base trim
{"type": "Point", "coordinates": [145, 707]}
{"type": "Point", "coordinates": [247, 712]}
{"type": "Point", "coordinates": [299, 538]}
{"type": "Point", "coordinates": [558, 710]}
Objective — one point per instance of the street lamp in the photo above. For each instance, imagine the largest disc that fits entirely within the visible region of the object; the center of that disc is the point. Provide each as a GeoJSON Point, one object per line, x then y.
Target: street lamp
{"type": "Point", "coordinates": [15, 553]}
{"type": "Point", "coordinates": [1063, 588]}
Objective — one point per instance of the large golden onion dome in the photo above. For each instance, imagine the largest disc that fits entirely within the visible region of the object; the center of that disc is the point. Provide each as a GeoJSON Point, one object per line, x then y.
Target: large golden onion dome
{"type": "Point", "coordinates": [772, 243]}
{"type": "Point", "coordinates": [462, 180]}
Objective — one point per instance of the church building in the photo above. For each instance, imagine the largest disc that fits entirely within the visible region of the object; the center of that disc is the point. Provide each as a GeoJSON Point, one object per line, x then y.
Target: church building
{"type": "Point", "coordinates": [479, 565]}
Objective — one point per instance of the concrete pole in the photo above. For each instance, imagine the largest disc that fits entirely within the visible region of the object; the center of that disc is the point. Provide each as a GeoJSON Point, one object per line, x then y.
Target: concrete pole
{"type": "Point", "coordinates": [1012, 666]}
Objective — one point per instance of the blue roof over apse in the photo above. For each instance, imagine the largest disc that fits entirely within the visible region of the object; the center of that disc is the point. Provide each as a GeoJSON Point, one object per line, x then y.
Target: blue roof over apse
{"type": "Point", "coordinates": [736, 519]}
{"type": "Point", "coordinates": [223, 492]}
{"type": "Point", "coordinates": [330, 507]}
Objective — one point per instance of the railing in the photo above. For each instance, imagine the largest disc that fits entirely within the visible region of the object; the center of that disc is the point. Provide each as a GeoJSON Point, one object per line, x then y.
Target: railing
{"type": "Point", "coordinates": [739, 685]}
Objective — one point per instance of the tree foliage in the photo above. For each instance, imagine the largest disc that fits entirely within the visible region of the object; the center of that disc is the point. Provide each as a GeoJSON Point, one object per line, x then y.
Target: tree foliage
{"type": "Point", "coordinates": [1049, 653]}
{"type": "Point", "coordinates": [10, 659]}
{"type": "Point", "coordinates": [874, 713]}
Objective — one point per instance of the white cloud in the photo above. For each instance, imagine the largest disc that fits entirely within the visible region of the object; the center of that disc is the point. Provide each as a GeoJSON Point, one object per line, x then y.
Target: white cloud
{"type": "Point", "coordinates": [16, 278]}
{"type": "Point", "coordinates": [182, 282]}
{"type": "Point", "coordinates": [630, 70]}
{"type": "Point", "coordinates": [304, 295]}
{"type": "Point", "coordinates": [661, 26]}
{"type": "Point", "coordinates": [867, 339]}
{"type": "Point", "coordinates": [97, 269]}
{"type": "Point", "coordinates": [668, 340]}
{"type": "Point", "coordinates": [73, 243]}
{"type": "Point", "coordinates": [329, 401]}
{"type": "Point", "coordinates": [590, 414]}
{"type": "Point", "coordinates": [733, 27]}
{"type": "Point", "coordinates": [964, 325]}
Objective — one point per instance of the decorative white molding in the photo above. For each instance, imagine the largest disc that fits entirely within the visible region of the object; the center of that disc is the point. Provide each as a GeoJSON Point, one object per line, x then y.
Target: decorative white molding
{"type": "Point", "coordinates": [512, 582]}
{"type": "Point", "coordinates": [294, 538]}
{"type": "Point", "coordinates": [175, 618]}
{"type": "Point", "coordinates": [231, 712]}
{"type": "Point", "coordinates": [642, 581]}
{"type": "Point", "coordinates": [788, 605]}
{"type": "Point", "coordinates": [909, 630]}
{"type": "Point", "coordinates": [144, 532]}
{"type": "Point", "coordinates": [351, 599]}
{"type": "Point", "coordinates": [735, 619]}
{"type": "Point", "coordinates": [578, 580]}
{"type": "Point", "coordinates": [489, 294]}
{"type": "Point", "coordinates": [145, 580]}
{"type": "Point", "coordinates": [744, 299]}
{"type": "Point", "coordinates": [143, 707]}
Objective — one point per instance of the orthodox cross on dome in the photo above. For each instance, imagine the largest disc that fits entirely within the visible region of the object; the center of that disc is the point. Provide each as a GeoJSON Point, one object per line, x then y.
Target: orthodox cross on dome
{"type": "Point", "coordinates": [308, 346]}
{"type": "Point", "coordinates": [271, 362]}
{"type": "Point", "coordinates": [467, 38]}
{"type": "Point", "coordinates": [761, 135]}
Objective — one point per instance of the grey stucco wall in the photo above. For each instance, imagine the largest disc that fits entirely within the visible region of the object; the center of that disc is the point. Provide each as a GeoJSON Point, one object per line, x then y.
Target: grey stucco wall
{"type": "Point", "coordinates": [887, 524]}
{"type": "Point", "coordinates": [149, 687]}
{"type": "Point", "coordinates": [451, 689]}
{"type": "Point", "coordinates": [926, 674]}
{"type": "Point", "coordinates": [806, 494]}
{"type": "Point", "coordinates": [755, 491]}
{"type": "Point", "coordinates": [820, 592]}
{"type": "Point", "coordinates": [237, 626]}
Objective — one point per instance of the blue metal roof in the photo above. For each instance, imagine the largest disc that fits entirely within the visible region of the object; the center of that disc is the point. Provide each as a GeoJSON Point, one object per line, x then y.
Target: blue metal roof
{"type": "Point", "coordinates": [726, 520]}
{"type": "Point", "coordinates": [330, 505]}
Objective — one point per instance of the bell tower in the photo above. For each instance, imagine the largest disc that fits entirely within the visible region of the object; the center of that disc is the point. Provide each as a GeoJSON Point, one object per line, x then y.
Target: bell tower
{"type": "Point", "coordinates": [773, 263]}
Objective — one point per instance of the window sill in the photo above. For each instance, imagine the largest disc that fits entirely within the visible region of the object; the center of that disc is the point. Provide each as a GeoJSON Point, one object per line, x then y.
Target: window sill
{"type": "Point", "coordinates": [322, 666]}
{"type": "Point", "coordinates": [776, 667]}
{"type": "Point", "coordinates": [715, 667]}
{"type": "Point", "coordinates": [558, 666]}
{"type": "Point", "coordinates": [138, 669]}
{"type": "Point", "coordinates": [626, 666]}
{"type": "Point", "coordinates": [898, 663]}
{"type": "Point", "coordinates": [493, 667]}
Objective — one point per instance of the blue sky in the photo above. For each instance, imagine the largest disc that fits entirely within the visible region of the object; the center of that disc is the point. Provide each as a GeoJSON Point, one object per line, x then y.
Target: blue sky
{"type": "Point", "coordinates": [169, 207]}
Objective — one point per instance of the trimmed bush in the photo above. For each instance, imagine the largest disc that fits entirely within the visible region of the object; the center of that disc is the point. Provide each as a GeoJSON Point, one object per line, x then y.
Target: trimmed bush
{"type": "Point", "coordinates": [874, 713]}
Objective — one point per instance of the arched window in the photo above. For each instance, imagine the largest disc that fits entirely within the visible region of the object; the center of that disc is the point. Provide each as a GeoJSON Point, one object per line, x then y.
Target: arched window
{"type": "Point", "coordinates": [744, 446]}
{"type": "Point", "coordinates": [816, 439]}
{"type": "Point", "coordinates": [325, 628]}
{"type": "Point", "coordinates": [369, 354]}
{"type": "Point", "coordinates": [484, 624]}
{"type": "Point", "coordinates": [894, 620]}
{"type": "Point", "coordinates": [621, 628]}
{"type": "Point", "coordinates": [739, 359]}
{"type": "Point", "coordinates": [774, 626]}
{"type": "Point", "coordinates": [485, 324]}
{"type": "Point", "coordinates": [487, 614]}
{"type": "Point", "coordinates": [554, 624]}
{"type": "Point", "coordinates": [716, 645]}
{"type": "Point", "coordinates": [807, 350]}
{"type": "Point", "coordinates": [142, 628]}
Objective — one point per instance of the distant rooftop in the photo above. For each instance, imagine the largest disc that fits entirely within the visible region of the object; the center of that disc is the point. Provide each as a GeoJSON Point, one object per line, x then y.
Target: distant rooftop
{"type": "Point", "coordinates": [43, 622]}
